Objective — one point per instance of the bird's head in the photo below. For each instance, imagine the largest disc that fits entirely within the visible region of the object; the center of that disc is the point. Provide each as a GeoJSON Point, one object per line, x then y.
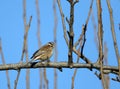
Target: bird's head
{"type": "Point", "coordinates": [51, 44]}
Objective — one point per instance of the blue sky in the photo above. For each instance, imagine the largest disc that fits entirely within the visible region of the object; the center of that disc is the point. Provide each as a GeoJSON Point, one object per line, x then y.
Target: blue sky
{"type": "Point", "coordinates": [12, 33]}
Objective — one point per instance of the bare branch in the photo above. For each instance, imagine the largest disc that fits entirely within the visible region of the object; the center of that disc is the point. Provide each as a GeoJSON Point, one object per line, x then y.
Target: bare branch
{"type": "Point", "coordinates": [79, 54]}
{"type": "Point", "coordinates": [3, 61]}
{"type": "Point", "coordinates": [89, 12]}
{"type": "Point", "coordinates": [98, 75]}
{"type": "Point", "coordinates": [38, 37]}
{"type": "Point", "coordinates": [100, 37]}
{"type": "Point", "coordinates": [95, 30]}
{"type": "Point", "coordinates": [24, 51]}
{"type": "Point", "coordinates": [71, 33]}
{"type": "Point", "coordinates": [80, 38]}
{"type": "Point", "coordinates": [107, 78]}
{"type": "Point", "coordinates": [65, 35]}
{"type": "Point", "coordinates": [63, 22]}
{"type": "Point", "coordinates": [75, 71]}
{"type": "Point", "coordinates": [38, 22]}
{"type": "Point", "coordinates": [55, 40]}
{"type": "Point", "coordinates": [113, 34]}
{"type": "Point", "coordinates": [46, 80]}
{"type": "Point", "coordinates": [83, 32]}
{"type": "Point", "coordinates": [116, 79]}
{"type": "Point", "coordinates": [100, 31]}
{"type": "Point", "coordinates": [84, 40]}
{"type": "Point", "coordinates": [17, 66]}
{"type": "Point", "coordinates": [41, 78]}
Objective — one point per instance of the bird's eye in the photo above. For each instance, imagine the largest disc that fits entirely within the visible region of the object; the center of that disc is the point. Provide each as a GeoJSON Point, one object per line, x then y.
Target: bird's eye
{"type": "Point", "coordinates": [51, 44]}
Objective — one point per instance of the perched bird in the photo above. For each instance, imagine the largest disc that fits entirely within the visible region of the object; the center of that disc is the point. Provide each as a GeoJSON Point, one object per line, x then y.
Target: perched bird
{"type": "Point", "coordinates": [44, 53]}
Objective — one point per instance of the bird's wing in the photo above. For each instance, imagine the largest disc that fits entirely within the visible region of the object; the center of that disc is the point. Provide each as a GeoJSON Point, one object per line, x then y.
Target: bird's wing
{"type": "Point", "coordinates": [34, 54]}
{"type": "Point", "coordinates": [37, 53]}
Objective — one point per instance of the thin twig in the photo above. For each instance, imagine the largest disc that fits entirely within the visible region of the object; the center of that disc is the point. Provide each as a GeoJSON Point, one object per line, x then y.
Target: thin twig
{"type": "Point", "coordinates": [82, 45]}
{"type": "Point", "coordinates": [100, 31]}
{"type": "Point", "coordinates": [113, 34]}
{"type": "Point", "coordinates": [78, 42]}
{"type": "Point", "coordinates": [84, 30]}
{"type": "Point", "coordinates": [95, 30]}
{"type": "Point", "coordinates": [63, 22]}
{"type": "Point", "coordinates": [73, 77]}
{"type": "Point", "coordinates": [65, 35]}
{"type": "Point", "coordinates": [46, 80]}
{"type": "Point", "coordinates": [116, 79]}
{"type": "Point", "coordinates": [41, 78]}
{"type": "Point", "coordinates": [89, 14]}
{"type": "Point", "coordinates": [3, 61]}
{"type": "Point", "coordinates": [28, 70]}
{"type": "Point", "coordinates": [82, 57]}
{"type": "Point", "coordinates": [100, 37]}
{"type": "Point", "coordinates": [55, 40]}
{"type": "Point", "coordinates": [107, 79]}
{"type": "Point", "coordinates": [26, 29]}
{"type": "Point", "coordinates": [75, 71]}
{"type": "Point", "coordinates": [39, 41]}
{"type": "Point", "coordinates": [98, 75]}
{"type": "Point", "coordinates": [38, 23]}
{"type": "Point", "coordinates": [80, 38]}
{"type": "Point", "coordinates": [87, 20]}
{"type": "Point", "coordinates": [84, 40]}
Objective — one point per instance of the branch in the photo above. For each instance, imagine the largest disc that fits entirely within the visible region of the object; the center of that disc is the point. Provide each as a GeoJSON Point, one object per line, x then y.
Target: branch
{"type": "Point", "coordinates": [107, 78]}
{"type": "Point", "coordinates": [100, 37]}
{"type": "Point", "coordinates": [65, 35]}
{"type": "Point", "coordinates": [55, 40]}
{"type": "Point", "coordinates": [89, 12]}
{"type": "Point", "coordinates": [113, 34]}
{"type": "Point", "coordinates": [45, 78]}
{"type": "Point", "coordinates": [39, 41]}
{"type": "Point", "coordinates": [17, 66]}
{"type": "Point", "coordinates": [83, 27]}
{"type": "Point", "coordinates": [38, 22]}
{"type": "Point", "coordinates": [71, 32]}
{"type": "Point", "coordinates": [24, 51]}
{"type": "Point", "coordinates": [100, 31]}
{"type": "Point", "coordinates": [84, 39]}
{"type": "Point", "coordinates": [116, 79]}
{"type": "Point", "coordinates": [95, 30]}
{"type": "Point", "coordinates": [63, 22]}
{"type": "Point", "coordinates": [83, 57]}
{"type": "Point", "coordinates": [75, 71]}
{"type": "Point", "coordinates": [3, 61]}
{"type": "Point", "coordinates": [80, 38]}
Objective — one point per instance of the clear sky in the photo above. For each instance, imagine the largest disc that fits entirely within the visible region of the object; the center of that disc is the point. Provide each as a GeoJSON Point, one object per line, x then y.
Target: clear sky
{"type": "Point", "coordinates": [12, 33]}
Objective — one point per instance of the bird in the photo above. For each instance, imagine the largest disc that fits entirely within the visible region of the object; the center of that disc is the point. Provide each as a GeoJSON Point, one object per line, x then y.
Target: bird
{"type": "Point", "coordinates": [44, 53]}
